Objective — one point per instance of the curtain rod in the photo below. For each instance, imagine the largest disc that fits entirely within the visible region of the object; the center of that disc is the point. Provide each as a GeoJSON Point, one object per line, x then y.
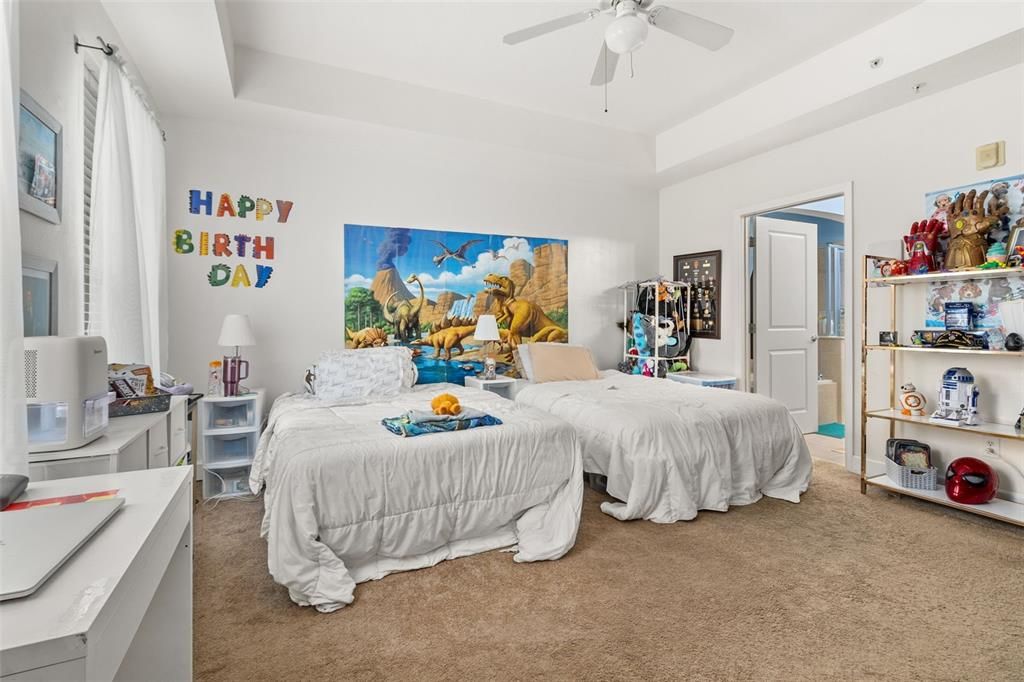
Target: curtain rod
{"type": "Point", "coordinates": [110, 50]}
{"type": "Point", "coordinates": [106, 48]}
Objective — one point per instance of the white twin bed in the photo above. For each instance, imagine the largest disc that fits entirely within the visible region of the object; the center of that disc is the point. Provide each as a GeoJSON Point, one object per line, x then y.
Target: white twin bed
{"type": "Point", "coordinates": [671, 449]}
{"type": "Point", "coordinates": [347, 501]}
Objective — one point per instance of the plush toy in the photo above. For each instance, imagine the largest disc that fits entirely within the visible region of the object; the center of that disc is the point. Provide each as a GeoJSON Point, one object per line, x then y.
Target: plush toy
{"type": "Point", "coordinates": [678, 366]}
{"type": "Point", "coordinates": [912, 401]}
{"type": "Point", "coordinates": [639, 334]}
{"type": "Point", "coordinates": [445, 403]}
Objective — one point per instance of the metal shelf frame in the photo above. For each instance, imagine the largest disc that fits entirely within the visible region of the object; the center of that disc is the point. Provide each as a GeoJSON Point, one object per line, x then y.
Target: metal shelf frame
{"type": "Point", "coordinates": [1003, 510]}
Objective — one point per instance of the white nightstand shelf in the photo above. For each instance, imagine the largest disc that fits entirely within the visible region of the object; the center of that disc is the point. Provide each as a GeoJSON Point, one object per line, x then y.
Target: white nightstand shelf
{"type": "Point", "coordinates": [506, 387]}
{"type": "Point", "coordinates": [229, 431]}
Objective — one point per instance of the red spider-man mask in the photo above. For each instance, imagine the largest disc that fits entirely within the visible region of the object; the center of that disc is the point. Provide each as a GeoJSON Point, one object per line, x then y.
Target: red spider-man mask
{"type": "Point", "coordinates": [970, 481]}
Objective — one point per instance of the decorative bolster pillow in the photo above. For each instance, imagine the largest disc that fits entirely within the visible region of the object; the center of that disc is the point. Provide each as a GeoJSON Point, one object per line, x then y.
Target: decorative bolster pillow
{"type": "Point", "coordinates": [368, 374]}
{"type": "Point", "coordinates": [561, 362]}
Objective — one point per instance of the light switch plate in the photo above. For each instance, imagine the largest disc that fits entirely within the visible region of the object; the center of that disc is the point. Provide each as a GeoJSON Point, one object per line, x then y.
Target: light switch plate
{"type": "Point", "coordinates": [990, 155]}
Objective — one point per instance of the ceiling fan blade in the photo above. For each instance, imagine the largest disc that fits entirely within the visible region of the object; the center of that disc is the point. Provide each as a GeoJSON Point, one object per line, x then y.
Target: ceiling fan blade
{"type": "Point", "coordinates": [604, 70]}
{"type": "Point", "coordinates": [549, 26]}
{"type": "Point", "coordinates": [690, 27]}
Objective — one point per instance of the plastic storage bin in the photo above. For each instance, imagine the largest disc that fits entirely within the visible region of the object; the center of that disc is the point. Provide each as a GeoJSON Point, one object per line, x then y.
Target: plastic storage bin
{"type": "Point", "coordinates": [231, 414]}
{"type": "Point", "coordinates": [704, 379]}
{"type": "Point", "coordinates": [226, 482]}
{"type": "Point", "coordinates": [229, 450]}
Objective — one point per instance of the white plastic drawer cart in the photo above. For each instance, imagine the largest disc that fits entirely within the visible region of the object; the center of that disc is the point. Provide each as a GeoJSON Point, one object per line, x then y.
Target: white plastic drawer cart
{"type": "Point", "coordinates": [229, 430]}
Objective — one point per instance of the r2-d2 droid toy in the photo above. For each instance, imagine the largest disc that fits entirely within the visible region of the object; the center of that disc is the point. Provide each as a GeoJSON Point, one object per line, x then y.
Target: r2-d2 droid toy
{"type": "Point", "coordinates": [958, 399]}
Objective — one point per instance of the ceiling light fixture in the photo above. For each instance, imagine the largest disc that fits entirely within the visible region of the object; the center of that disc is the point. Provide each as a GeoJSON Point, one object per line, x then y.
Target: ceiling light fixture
{"type": "Point", "coordinates": [628, 32]}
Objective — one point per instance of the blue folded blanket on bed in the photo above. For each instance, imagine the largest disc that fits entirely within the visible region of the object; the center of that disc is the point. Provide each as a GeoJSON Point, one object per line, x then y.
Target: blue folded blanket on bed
{"type": "Point", "coordinates": [417, 422]}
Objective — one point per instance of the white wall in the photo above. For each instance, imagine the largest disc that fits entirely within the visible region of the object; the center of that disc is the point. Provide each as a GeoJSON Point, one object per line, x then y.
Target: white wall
{"type": "Point", "coordinates": [52, 74]}
{"type": "Point", "coordinates": [892, 159]}
{"type": "Point", "coordinates": [344, 172]}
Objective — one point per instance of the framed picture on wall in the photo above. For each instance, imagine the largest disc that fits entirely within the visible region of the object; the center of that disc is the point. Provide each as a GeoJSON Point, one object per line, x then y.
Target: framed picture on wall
{"type": "Point", "coordinates": [39, 161]}
{"type": "Point", "coordinates": [39, 296]}
{"type": "Point", "coordinates": [703, 272]}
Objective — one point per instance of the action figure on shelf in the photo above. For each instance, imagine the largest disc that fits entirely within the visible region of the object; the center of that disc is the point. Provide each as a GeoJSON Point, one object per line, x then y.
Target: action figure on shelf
{"type": "Point", "coordinates": [958, 399]}
{"type": "Point", "coordinates": [912, 401]}
{"type": "Point", "coordinates": [968, 222]}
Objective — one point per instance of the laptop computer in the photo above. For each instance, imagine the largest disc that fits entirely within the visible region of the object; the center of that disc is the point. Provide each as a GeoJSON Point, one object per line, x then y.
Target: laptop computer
{"type": "Point", "coordinates": [35, 542]}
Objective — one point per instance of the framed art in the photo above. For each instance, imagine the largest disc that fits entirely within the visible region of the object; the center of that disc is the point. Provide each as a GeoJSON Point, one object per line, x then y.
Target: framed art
{"type": "Point", "coordinates": [39, 296]}
{"type": "Point", "coordinates": [703, 272]}
{"type": "Point", "coordinates": [39, 160]}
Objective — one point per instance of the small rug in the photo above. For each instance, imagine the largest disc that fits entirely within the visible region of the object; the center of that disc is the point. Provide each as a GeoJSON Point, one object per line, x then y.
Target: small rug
{"type": "Point", "coordinates": [833, 430]}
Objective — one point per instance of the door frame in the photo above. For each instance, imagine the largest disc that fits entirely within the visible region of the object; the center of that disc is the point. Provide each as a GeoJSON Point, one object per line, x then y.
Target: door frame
{"type": "Point", "coordinates": [742, 316]}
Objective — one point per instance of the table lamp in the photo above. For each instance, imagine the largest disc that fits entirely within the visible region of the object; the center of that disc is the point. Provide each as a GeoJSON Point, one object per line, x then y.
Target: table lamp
{"type": "Point", "coordinates": [235, 331]}
{"type": "Point", "coordinates": [487, 331]}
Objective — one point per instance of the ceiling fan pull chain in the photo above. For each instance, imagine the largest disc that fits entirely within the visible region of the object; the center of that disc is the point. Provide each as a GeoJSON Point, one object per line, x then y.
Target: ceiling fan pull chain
{"type": "Point", "coordinates": [631, 72]}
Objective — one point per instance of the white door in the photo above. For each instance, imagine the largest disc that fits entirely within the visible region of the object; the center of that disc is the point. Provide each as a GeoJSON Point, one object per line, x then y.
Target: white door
{"type": "Point", "coordinates": [786, 316]}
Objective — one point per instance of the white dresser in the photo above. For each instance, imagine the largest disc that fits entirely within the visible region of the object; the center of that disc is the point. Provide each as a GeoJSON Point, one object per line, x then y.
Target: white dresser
{"type": "Point", "coordinates": [143, 441]}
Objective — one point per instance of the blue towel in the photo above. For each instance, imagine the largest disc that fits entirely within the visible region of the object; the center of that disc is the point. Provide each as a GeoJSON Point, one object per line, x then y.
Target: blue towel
{"type": "Point", "coordinates": [417, 422]}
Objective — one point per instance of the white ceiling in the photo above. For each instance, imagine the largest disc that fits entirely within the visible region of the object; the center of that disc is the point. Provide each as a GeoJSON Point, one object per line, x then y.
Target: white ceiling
{"type": "Point", "coordinates": [456, 47]}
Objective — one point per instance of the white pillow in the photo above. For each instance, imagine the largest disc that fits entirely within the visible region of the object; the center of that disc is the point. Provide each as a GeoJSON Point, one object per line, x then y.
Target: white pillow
{"type": "Point", "coordinates": [367, 374]}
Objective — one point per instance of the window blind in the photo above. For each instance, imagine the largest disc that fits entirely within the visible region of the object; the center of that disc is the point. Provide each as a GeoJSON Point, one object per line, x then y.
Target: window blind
{"type": "Point", "coordinates": [91, 86]}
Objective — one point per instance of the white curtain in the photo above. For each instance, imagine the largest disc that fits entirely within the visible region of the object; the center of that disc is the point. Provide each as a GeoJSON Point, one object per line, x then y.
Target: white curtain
{"type": "Point", "coordinates": [128, 267]}
{"type": "Point", "coordinates": [13, 439]}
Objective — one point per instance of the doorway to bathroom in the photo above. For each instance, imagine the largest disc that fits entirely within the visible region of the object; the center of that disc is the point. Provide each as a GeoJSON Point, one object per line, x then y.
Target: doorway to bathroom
{"type": "Point", "coordinates": [797, 346]}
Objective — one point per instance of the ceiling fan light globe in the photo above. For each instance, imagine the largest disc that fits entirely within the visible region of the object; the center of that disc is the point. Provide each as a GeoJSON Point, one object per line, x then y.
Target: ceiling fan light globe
{"type": "Point", "coordinates": [627, 33]}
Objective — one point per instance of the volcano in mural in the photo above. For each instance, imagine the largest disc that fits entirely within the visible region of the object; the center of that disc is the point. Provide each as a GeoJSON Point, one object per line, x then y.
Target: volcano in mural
{"type": "Point", "coordinates": [426, 289]}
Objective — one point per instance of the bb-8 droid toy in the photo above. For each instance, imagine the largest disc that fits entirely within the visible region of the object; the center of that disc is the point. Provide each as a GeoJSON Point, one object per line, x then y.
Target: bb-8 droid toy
{"type": "Point", "coordinates": [912, 401]}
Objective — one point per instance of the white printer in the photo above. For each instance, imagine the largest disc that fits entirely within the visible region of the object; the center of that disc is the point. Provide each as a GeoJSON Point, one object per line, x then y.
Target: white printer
{"type": "Point", "coordinates": [66, 391]}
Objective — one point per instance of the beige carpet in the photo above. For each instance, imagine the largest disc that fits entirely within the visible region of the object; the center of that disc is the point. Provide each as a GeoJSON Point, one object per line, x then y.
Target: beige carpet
{"type": "Point", "coordinates": [841, 586]}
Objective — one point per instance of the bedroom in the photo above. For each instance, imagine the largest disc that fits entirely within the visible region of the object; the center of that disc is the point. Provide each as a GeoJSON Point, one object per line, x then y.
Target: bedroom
{"type": "Point", "coordinates": [301, 172]}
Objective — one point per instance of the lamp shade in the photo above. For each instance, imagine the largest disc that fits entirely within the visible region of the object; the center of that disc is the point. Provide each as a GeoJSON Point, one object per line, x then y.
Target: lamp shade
{"type": "Point", "coordinates": [486, 329]}
{"type": "Point", "coordinates": [236, 331]}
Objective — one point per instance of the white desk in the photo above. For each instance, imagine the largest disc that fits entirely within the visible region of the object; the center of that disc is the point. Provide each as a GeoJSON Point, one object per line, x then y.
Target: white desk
{"type": "Point", "coordinates": [142, 441]}
{"type": "Point", "coordinates": [121, 607]}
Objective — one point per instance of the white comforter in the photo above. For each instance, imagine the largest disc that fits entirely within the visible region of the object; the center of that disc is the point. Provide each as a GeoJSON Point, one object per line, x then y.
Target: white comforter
{"type": "Point", "coordinates": [347, 501]}
{"type": "Point", "coordinates": [671, 449]}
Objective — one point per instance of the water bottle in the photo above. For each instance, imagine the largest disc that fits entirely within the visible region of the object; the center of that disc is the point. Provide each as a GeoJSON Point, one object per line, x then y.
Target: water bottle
{"type": "Point", "coordinates": [213, 386]}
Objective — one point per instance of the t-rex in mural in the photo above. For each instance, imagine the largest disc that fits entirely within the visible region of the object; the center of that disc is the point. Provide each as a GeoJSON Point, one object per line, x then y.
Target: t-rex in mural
{"type": "Point", "coordinates": [405, 316]}
{"type": "Point", "coordinates": [367, 337]}
{"type": "Point", "coordinates": [447, 339]}
{"type": "Point", "coordinates": [525, 319]}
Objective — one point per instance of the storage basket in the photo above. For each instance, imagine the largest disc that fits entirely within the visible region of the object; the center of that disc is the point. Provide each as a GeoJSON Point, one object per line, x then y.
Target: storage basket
{"type": "Point", "coordinates": [127, 407]}
{"type": "Point", "coordinates": [910, 477]}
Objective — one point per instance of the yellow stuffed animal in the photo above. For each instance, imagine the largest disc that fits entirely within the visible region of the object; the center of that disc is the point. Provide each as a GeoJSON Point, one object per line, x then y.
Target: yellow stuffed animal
{"type": "Point", "coordinates": [445, 403]}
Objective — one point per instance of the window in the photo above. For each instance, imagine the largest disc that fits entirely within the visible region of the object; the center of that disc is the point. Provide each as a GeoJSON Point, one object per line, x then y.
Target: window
{"type": "Point", "coordinates": [91, 86]}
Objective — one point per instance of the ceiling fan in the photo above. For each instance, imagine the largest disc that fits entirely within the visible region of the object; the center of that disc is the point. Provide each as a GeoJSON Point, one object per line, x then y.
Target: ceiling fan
{"type": "Point", "coordinates": [628, 31]}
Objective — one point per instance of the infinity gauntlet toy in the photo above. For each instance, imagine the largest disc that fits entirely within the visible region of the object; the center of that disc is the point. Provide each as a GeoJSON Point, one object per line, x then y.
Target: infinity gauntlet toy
{"type": "Point", "coordinates": [968, 223]}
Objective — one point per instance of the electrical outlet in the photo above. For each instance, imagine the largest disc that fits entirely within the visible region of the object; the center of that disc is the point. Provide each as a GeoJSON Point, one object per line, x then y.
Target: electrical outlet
{"type": "Point", "coordinates": [992, 447]}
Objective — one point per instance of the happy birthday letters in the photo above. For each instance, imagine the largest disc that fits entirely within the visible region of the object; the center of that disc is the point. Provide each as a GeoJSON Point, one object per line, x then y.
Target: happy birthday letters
{"type": "Point", "coordinates": [227, 245]}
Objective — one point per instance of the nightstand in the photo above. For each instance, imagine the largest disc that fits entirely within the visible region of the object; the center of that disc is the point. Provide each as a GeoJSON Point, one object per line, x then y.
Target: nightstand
{"type": "Point", "coordinates": [229, 430]}
{"type": "Point", "coordinates": [506, 387]}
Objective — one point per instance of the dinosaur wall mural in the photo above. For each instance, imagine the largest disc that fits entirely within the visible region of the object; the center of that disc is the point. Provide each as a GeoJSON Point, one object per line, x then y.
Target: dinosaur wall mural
{"type": "Point", "coordinates": [425, 289]}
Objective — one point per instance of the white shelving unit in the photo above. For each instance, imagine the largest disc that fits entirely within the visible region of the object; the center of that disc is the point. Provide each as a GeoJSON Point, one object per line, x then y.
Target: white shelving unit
{"type": "Point", "coordinates": [229, 430]}
{"type": "Point", "coordinates": [1001, 509]}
